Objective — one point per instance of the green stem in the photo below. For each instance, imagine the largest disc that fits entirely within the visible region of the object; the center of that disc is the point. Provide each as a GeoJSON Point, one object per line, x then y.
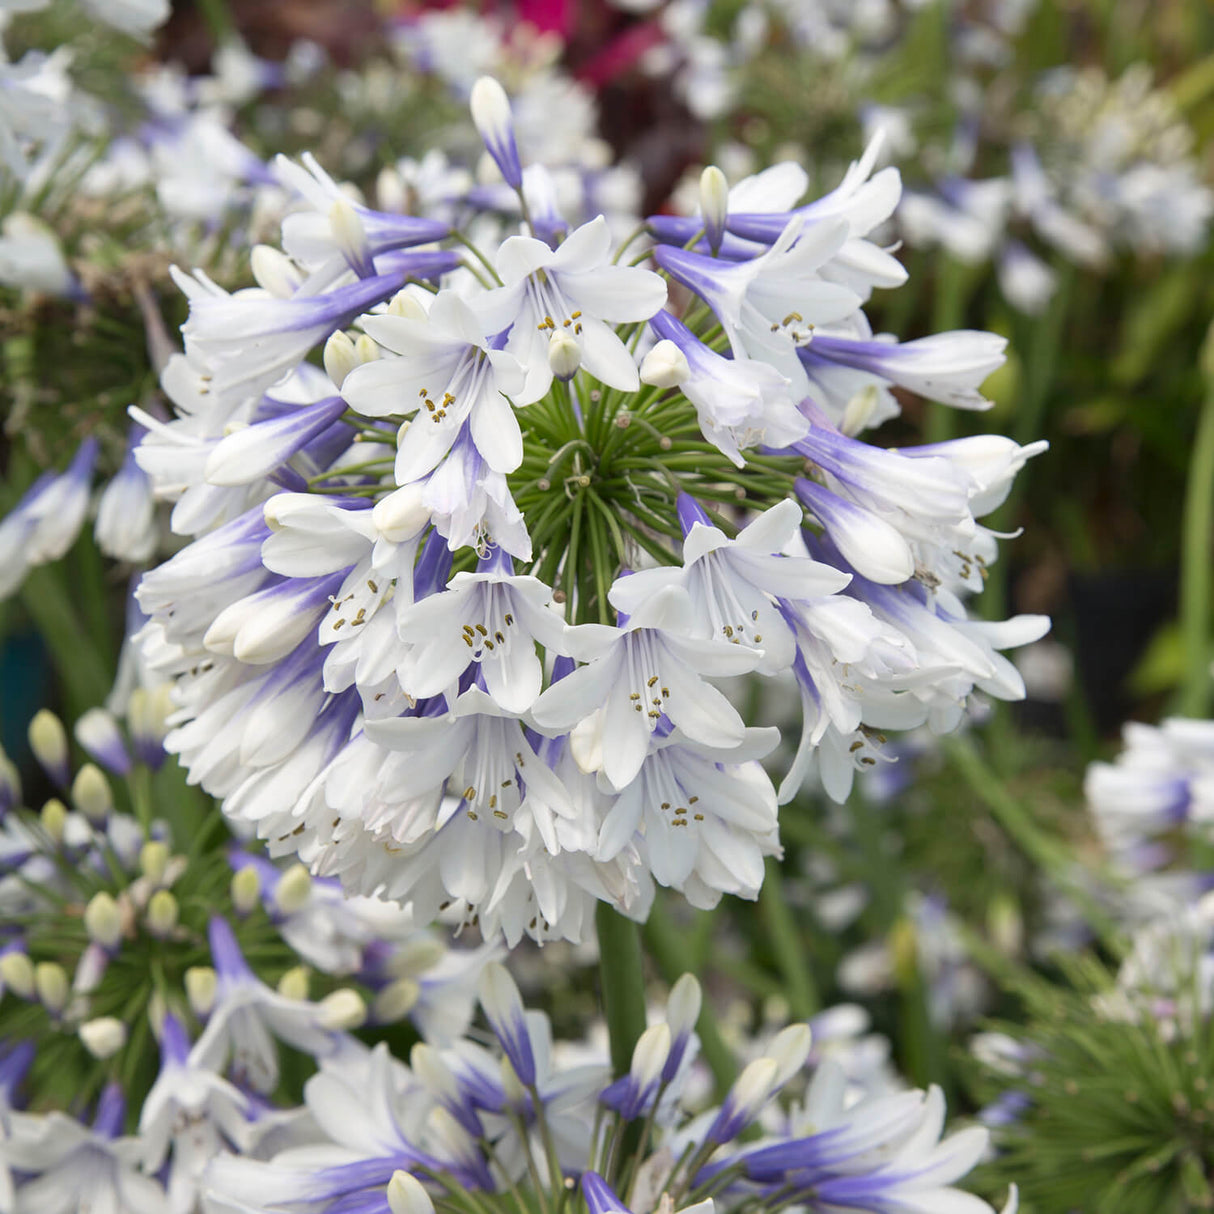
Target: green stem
{"type": "Point", "coordinates": [787, 944]}
{"type": "Point", "coordinates": [622, 979]}
{"type": "Point", "coordinates": [1048, 854]}
{"type": "Point", "coordinates": [1198, 526]}
{"type": "Point", "coordinates": [86, 680]}
{"type": "Point", "coordinates": [669, 950]}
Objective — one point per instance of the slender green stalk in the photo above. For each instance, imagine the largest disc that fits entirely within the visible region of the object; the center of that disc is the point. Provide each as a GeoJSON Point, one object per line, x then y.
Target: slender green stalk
{"type": "Point", "coordinates": [622, 977]}
{"type": "Point", "coordinates": [787, 944]}
{"type": "Point", "coordinates": [1048, 854]}
{"type": "Point", "coordinates": [1195, 579]}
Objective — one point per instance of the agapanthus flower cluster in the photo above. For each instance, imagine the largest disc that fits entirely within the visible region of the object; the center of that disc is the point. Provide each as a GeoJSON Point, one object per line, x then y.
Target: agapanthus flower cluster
{"type": "Point", "coordinates": [456, 606]}
{"type": "Point", "coordinates": [462, 1127]}
{"type": "Point", "coordinates": [1096, 167]}
{"type": "Point", "coordinates": [1115, 1070]}
{"type": "Point", "coordinates": [117, 935]}
{"type": "Point", "coordinates": [1153, 808]}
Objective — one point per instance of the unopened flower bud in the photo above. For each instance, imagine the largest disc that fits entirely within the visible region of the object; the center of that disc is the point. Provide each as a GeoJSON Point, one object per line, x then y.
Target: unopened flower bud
{"type": "Point", "coordinates": [162, 913]}
{"type": "Point", "coordinates": [103, 1037]}
{"type": "Point", "coordinates": [17, 974]}
{"type": "Point", "coordinates": [102, 920]}
{"type": "Point", "coordinates": [649, 1055]}
{"type": "Point", "coordinates": [401, 515]}
{"type": "Point", "coordinates": [274, 270]}
{"type": "Point", "coordinates": [293, 890]}
{"type": "Point", "coordinates": [201, 982]}
{"type": "Point", "coordinates": [665, 366]}
{"type": "Point", "coordinates": [351, 237]}
{"type": "Point", "coordinates": [98, 733]}
{"type": "Point", "coordinates": [147, 715]}
{"type": "Point", "coordinates": [342, 1010]}
{"type": "Point", "coordinates": [154, 860]}
{"type": "Point", "coordinates": [416, 955]}
{"type": "Point", "coordinates": [48, 741]}
{"type": "Point", "coordinates": [405, 304]}
{"type": "Point", "coordinates": [714, 204]}
{"type": "Point", "coordinates": [91, 793]}
{"type": "Point", "coordinates": [406, 1195]}
{"type": "Point", "coordinates": [564, 354]}
{"type": "Point", "coordinates": [683, 1006]}
{"type": "Point", "coordinates": [747, 1096]}
{"type": "Point", "coordinates": [158, 1009]}
{"type": "Point", "coordinates": [90, 969]}
{"type": "Point", "coordinates": [339, 357]}
{"type": "Point", "coordinates": [246, 890]}
{"type": "Point", "coordinates": [294, 983]}
{"type": "Point", "coordinates": [395, 1001]}
{"type": "Point", "coordinates": [491, 115]}
{"type": "Point", "coordinates": [789, 1051]}
{"type": "Point", "coordinates": [390, 192]}
{"type": "Point", "coordinates": [10, 784]}
{"type": "Point", "coordinates": [50, 982]}
{"type": "Point", "coordinates": [54, 819]}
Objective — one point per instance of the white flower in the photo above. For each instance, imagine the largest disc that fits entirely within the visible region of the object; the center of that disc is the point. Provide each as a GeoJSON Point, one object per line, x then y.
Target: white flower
{"type": "Point", "coordinates": [653, 667]}
{"type": "Point", "coordinates": [446, 376]}
{"type": "Point", "coordinates": [574, 288]}
{"type": "Point", "coordinates": [490, 617]}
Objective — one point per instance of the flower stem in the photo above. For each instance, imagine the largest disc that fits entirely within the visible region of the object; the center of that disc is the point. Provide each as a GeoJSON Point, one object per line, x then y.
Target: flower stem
{"type": "Point", "coordinates": [622, 977]}
{"type": "Point", "coordinates": [787, 944]}
{"type": "Point", "coordinates": [1198, 526]}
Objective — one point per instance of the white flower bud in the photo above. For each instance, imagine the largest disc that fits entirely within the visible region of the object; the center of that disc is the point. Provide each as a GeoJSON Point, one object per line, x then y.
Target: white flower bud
{"type": "Point", "coordinates": [103, 1037]}
{"type": "Point", "coordinates": [564, 354]}
{"type": "Point", "coordinates": [416, 955]}
{"type": "Point", "coordinates": [158, 1008]}
{"type": "Point", "coordinates": [275, 271]}
{"type": "Point", "coordinates": [406, 1195]}
{"type": "Point", "coordinates": [714, 204]}
{"type": "Point", "coordinates": [390, 191]}
{"type": "Point", "coordinates": [683, 1006]}
{"type": "Point", "coordinates": [294, 983]}
{"type": "Point", "coordinates": [17, 974]}
{"type": "Point", "coordinates": [147, 714]}
{"type": "Point", "coordinates": [753, 1087]}
{"type": "Point", "coordinates": [395, 1001]}
{"type": "Point", "coordinates": [154, 860]}
{"type": "Point", "coordinates": [491, 115]}
{"type": "Point", "coordinates": [102, 919]}
{"type": "Point", "coordinates": [48, 741]}
{"type": "Point", "coordinates": [98, 733]}
{"type": "Point", "coordinates": [10, 783]}
{"type": "Point", "coordinates": [54, 819]}
{"type": "Point", "coordinates": [649, 1055]}
{"type": "Point", "coordinates": [90, 969]}
{"type": "Point", "coordinates": [789, 1051]}
{"type": "Point", "coordinates": [350, 236]}
{"type": "Point", "coordinates": [162, 912]}
{"type": "Point", "coordinates": [401, 515]}
{"type": "Point", "coordinates": [293, 890]}
{"type": "Point", "coordinates": [405, 304]}
{"type": "Point", "coordinates": [201, 982]}
{"type": "Point", "coordinates": [342, 1010]}
{"type": "Point", "coordinates": [50, 981]}
{"type": "Point", "coordinates": [91, 793]}
{"type": "Point", "coordinates": [340, 358]}
{"type": "Point", "coordinates": [665, 366]}
{"type": "Point", "coordinates": [246, 890]}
